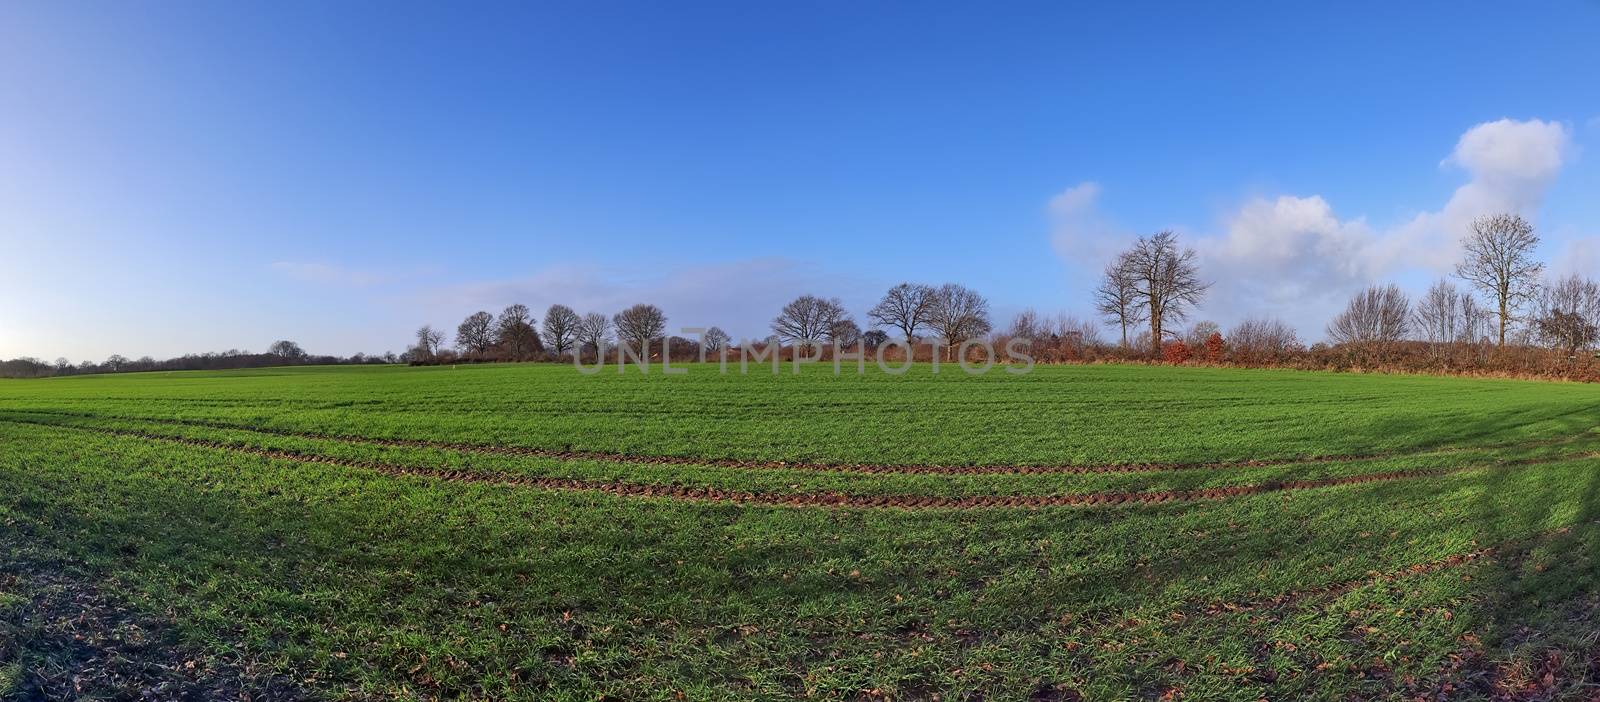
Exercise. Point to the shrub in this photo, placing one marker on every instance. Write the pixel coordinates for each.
(1214, 348)
(1175, 352)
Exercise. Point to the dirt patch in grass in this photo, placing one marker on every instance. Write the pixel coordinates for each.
(62, 637)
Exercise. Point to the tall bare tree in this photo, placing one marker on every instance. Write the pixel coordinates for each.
(1377, 316)
(515, 335)
(428, 341)
(560, 328)
(594, 330)
(959, 313)
(808, 319)
(1499, 261)
(475, 334)
(1166, 281)
(639, 325)
(1115, 299)
(1437, 315)
(906, 307)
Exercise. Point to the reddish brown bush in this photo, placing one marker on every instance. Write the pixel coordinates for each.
(1214, 348)
(1175, 352)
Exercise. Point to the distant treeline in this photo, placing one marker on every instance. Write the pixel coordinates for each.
(282, 353)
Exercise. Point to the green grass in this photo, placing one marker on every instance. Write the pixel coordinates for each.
(364, 585)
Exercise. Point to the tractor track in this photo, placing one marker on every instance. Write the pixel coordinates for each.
(798, 499)
(859, 468)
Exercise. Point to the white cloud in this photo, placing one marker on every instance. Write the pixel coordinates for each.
(1286, 257)
(1080, 234)
(1294, 257)
(1511, 151)
(1511, 164)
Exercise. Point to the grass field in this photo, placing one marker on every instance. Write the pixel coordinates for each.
(529, 533)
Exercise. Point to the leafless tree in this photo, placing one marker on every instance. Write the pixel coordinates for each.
(1026, 325)
(1568, 317)
(475, 334)
(808, 319)
(1437, 315)
(1262, 339)
(1200, 333)
(640, 324)
(1499, 261)
(1084, 331)
(594, 330)
(515, 335)
(958, 314)
(906, 307)
(287, 351)
(1115, 299)
(428, 341)
(1070, 335)
(560, 328)
(1166, 281)
(1475, 321)
(845, 333)
(714, 340)
(1377, 316)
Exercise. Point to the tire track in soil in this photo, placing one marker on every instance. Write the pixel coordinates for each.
(863, 468)
(799, 499)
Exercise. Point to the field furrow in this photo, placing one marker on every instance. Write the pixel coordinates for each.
(821, 499)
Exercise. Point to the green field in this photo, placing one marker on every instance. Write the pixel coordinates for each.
(527, 532)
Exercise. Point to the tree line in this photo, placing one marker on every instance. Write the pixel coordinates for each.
(280, 353)
(1498, 312)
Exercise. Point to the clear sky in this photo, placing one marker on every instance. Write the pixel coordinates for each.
(183, 177)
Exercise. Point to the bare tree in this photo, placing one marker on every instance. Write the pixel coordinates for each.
(1115, 299)
(428, 341)
(475, 334)
(1437, 315)
(594, 330)
(1070, 335)
(1568, 317)
(1200, 333)
(714, 340)
(1376, 316)
(287, 351)
(906, 307)
(808, 319)
(845, 333)
(639, 325)
(1499, 261)
(515, 335)
(560, 328)
(1026, 325)
(1263, 339)
(1166, 281)
(958, 314)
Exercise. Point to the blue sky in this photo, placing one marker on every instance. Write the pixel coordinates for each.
(185, 177)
